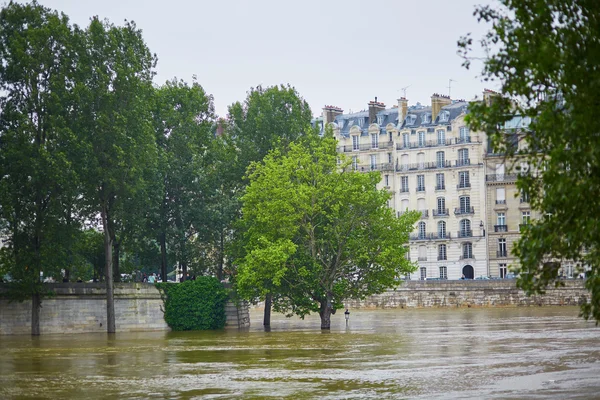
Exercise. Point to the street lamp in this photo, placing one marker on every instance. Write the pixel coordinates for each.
(347, 315)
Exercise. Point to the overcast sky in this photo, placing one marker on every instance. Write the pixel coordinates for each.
(341, 53)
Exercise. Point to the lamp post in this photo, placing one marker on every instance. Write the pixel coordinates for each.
(347, 315)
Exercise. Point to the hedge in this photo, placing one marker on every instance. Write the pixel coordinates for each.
(194, 305)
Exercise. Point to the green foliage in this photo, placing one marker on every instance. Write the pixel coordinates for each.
(194, 305)
(545, 54)
(317, 233)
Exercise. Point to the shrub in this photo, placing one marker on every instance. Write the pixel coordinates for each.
(194, 305)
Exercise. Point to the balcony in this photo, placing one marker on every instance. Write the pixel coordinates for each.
(500, 201)
(422, 166)
(466, 256)
(366, 147)
(420, 188)
(464, 211)
(501, 253)
(501, 177)
(500, 228)
(404, 190)
(461, 140)
(524, 199)
(424, 213)
(464, 233)
(442, 258)
(440, 212)
(376, 167)
(463, 186)
(463, 162)
(430, 236)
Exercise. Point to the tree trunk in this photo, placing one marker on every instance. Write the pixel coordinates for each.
(325, 312)
(184, 276)
(221, 256)
(108, 273)
(267, 314)
(163, 256)
(36, 304)
(116, 267)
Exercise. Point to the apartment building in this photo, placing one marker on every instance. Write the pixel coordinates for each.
(432, 163)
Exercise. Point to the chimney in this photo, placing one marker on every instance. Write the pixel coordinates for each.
(403, 107)
(330, 112)
(437, 102)
(488, 96)
(374, 108)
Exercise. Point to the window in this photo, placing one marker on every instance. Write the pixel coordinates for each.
(568, 271)
(386, 179)
(410, 119)
(501, 247)
(439, 182)
(404, 161)
(500, 172)
(443, 273)
(442, 229)
(442, 252)
(465, 204)
(404, 184)
(501, 218)
(422, 253)
(421, 138)
(420, 183)
(463, 179)
(421, 206)
(390, 137)
(441, 206)
(422, 230)
(463, 157)
(444, 115)
(374, 140)
(425, 118)
(502, 270)
(355, 143)
(467, 250)
(465, 228)
(524, 197)
(389, 158)
(373, 161)
(355, 163)
(526, 217)
(380, 120)
(421, 160)
(361, 122)
(500, 196)
(441, 137)
(464, 135)
(440, 158)
(405, 139)
(423, 273)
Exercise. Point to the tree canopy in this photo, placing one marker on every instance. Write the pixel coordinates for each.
(545, 56)
(317, 233)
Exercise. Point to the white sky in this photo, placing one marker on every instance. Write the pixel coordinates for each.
(341, 53)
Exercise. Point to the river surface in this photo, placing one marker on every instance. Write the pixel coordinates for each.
(508, 353)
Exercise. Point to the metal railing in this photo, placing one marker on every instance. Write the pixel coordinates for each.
(500, 201)
(464, 161)
(500, 228)
(466, 256)
(463, 186)
(464, 233)
(501, 253)
(422, 166)
(464, 210)
(501, 177)
(376, 167)
(430, 236)
(424, 213)
(440, 187)
(440, 212)
(366, 147)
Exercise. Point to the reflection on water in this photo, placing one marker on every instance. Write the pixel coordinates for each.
(434, 353)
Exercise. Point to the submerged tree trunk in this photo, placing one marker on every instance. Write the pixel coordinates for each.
(163, 256)
(108, 273)
(326, 311)
(267, 314)
(36, 304)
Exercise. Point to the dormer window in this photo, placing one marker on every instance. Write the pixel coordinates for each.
(425, 118)
(380, 120)
(444, 116)
(411, 119)
(360, 122)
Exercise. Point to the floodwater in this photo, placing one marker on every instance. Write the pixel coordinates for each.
(508, 353)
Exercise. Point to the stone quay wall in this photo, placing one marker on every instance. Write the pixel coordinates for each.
(81, 308)
(471, 293)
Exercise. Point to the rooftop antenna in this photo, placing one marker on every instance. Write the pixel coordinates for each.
(404, 90)
(450, 87)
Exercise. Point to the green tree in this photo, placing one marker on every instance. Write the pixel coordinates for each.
(545, 56)
(37, 183)
(269, 118)
(317, 233)
(113, 122)
(183, 122)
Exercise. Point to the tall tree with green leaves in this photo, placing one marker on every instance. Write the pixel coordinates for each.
(545, 56)
(269, 118)
(113, 123)
(183, 120)
(317, 233)
(37, 181)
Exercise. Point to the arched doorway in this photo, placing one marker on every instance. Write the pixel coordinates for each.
(468, 272)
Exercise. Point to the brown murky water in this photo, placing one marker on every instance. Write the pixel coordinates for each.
(515, 353)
